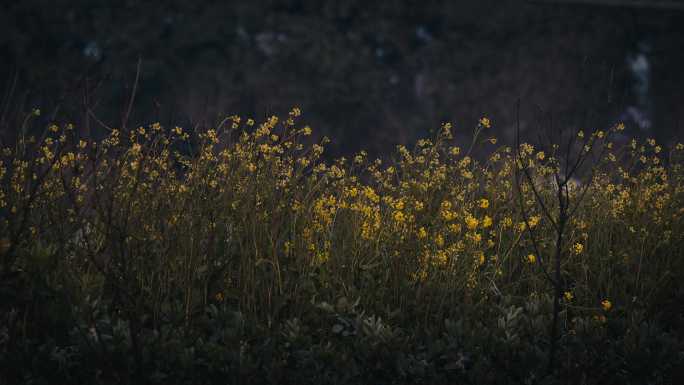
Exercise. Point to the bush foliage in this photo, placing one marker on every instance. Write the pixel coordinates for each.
(239, 255)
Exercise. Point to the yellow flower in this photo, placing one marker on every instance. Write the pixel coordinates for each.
(541, 155)
(577, 248)
(533, 221)
(471, 222)
(531, 258)
(448, 215)
(486, 221)
(480, 258)
(219, 297)
(422, 233)
(399, 217)
(606, 305)
(492, 140)
(455, 228)
(568, 296)
(439, 240)
(485, 122)
(484, 203)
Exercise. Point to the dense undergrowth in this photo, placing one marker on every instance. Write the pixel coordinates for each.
(238, 255)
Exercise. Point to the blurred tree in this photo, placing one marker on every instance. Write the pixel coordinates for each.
(371, 75)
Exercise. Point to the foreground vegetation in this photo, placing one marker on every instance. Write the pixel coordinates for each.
(238, 255)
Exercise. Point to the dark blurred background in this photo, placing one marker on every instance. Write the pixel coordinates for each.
(369, 74)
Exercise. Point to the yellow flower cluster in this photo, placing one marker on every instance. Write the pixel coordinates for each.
(435, 215)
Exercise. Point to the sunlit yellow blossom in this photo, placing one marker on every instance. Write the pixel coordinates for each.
(471, 222)
(534, 220)
(455, 228)
(439, 240)
(531, 258)
(399, 205)
(422, 233)
(568, 296)
(480, 257)
(577, 248)
(484, 203)
(485, 122)
(446, 129)
(399, 217)
(486, 221)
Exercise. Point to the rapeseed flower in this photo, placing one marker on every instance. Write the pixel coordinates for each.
(471, 222)
(422, 233)
(577, 248)
(486, 221)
